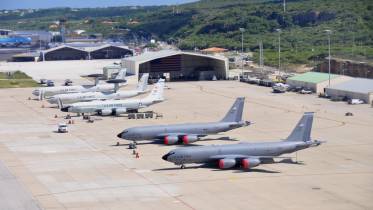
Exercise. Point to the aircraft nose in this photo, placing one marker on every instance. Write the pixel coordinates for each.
(35, 92)
(52, 100)
(164, 157)
(120, 135)
(65, 109)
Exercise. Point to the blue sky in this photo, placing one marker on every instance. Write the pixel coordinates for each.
(23, 4)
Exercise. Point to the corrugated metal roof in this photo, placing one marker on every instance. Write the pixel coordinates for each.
(61, 47)
(147, 56)
(313, 77)
(91, 49)
(358, 85)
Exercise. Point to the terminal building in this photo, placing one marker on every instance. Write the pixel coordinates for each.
(178, 65)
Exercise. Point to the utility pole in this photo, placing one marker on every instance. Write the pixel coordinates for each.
(328, 32)
(242, 31)
(284, 4)
(261, 59)
(279, 49)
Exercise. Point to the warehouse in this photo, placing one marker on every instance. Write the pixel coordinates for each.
(356, 88)
(178, 65)
(315, 81)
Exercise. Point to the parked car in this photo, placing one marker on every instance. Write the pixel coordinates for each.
(355, 101)
(43, 81)
(50, 83)
(68, 82)
(62, 128)
(305, 91)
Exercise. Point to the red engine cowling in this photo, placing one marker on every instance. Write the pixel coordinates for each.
(187, 139)
(226, 163)
(168, 140)
(249, 163)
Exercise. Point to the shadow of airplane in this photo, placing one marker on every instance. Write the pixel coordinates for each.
(213, 167)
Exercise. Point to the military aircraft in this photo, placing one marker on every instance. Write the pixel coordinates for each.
(45, 92)
(70, 98)
(116, 107)
(189, 132)
(246, 155)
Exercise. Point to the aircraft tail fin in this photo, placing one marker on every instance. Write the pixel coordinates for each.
(121, 74)
(157, 92)
(302, 131)
(59, 103)
(235, 112)
(143, 83)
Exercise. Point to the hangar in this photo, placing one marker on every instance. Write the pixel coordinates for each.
(356, 88)
(178, 65)
(315, 81)
(108, 52)
(66, 52)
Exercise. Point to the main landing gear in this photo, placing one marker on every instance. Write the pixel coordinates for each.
(182, 166)
(132, 145)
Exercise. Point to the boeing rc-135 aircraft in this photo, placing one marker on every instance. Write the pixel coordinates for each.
(116, 107)
(189, 132)
(44, 92)
(91, 96)
(246, 155)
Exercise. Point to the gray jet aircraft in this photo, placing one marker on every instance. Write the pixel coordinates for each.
(188, 132)
(246, 155)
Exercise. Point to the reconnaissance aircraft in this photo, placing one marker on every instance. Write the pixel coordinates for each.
(116, 107)
(189, 132)
(91, 96)
(247, 155)
(51, 91)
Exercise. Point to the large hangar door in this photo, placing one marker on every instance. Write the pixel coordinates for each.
(166, 64)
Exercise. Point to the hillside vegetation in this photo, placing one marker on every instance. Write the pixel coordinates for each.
(216, 23)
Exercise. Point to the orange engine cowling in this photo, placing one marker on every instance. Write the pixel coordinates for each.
(250, 162)
(168, 140)
(187, 139)
(226, 163)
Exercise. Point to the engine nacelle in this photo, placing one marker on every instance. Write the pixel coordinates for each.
(250, 162)
(119, 111)
(226, 163)
(168, 140)
(187, 139)
(105, 112)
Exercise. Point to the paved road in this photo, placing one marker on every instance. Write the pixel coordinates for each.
(13, 196)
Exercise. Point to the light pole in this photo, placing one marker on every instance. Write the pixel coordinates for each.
(242, 31)
(279, 49)
(328, 32)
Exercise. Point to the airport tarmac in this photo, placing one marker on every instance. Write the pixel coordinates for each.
(83, 169)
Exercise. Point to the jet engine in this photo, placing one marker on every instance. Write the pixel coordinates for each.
(104, 112)
(168, 140)
(119, 111)
(226, 163)
(187, 139)
(250, 162)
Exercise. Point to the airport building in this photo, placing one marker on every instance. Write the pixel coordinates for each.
(315, 81)
(355, 88)
(178, 65)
